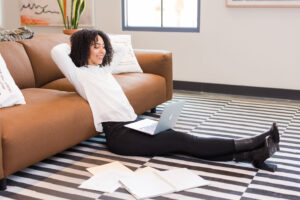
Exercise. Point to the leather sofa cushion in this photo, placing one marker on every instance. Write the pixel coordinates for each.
(17, 63)
(50, 122)
(157, 62)
(62, 84)
(38, 49)
(144, 91)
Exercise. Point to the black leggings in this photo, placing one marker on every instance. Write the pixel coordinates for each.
(125, 141)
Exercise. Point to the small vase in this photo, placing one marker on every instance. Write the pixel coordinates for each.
(70, 31)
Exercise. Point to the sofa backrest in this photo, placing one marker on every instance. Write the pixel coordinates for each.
(38, 50)
(18, 64)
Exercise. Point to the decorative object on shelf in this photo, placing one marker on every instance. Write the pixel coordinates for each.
(77, 8)
(263, 3)
(48, 13)
(21, 33)
(70, 31)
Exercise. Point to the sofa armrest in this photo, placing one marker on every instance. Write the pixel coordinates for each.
(157, 62)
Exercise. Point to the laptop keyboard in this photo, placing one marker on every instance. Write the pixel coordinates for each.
(149, 128)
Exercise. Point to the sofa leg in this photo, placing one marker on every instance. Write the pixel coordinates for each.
(153, 110)
(3, 184)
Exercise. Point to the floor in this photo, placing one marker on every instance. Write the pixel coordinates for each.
(205, 115)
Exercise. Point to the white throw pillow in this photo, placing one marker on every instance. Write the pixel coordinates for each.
(128, 62)
(10, 94)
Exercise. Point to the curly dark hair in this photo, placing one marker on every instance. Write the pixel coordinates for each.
(80, 46)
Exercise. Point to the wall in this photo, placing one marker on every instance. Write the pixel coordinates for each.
(236, 46)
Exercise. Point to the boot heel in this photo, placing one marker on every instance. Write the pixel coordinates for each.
(265, 166)
(277, 147)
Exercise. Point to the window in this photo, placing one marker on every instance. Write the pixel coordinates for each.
(161, 15)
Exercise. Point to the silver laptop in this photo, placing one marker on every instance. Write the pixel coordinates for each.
(167, 120)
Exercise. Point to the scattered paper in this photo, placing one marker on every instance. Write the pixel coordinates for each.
(106, 177)
(145, 170)
(146, 185)
(144, 182)
(182, 178)
(107, 181)
(117, 166)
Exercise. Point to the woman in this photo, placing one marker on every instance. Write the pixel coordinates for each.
(91, 51)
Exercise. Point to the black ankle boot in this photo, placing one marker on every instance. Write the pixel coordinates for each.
(258, 156)
(272, 148)
(250, 143)
(275, 135)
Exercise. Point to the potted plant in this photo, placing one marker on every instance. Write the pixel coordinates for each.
(71, 23)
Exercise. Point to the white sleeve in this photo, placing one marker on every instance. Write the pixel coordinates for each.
(60, 55)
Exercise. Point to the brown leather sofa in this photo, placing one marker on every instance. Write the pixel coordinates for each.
(55, 117)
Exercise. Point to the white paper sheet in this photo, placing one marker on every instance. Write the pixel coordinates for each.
(182, 178)
(106, 177)
(117, 166)
(107, 181)
(146, 185)
(145, 170)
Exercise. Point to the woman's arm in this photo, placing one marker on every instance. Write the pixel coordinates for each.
(60, 55)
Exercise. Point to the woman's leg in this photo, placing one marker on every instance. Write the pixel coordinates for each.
(250, 143)
(125, 141)
(130, 142)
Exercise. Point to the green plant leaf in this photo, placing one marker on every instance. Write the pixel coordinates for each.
(77, 8)
(76, 11)
(61, 6)
(68, 22)
(81, 9)
(72, 9)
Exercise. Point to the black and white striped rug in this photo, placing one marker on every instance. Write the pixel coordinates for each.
(58, 177)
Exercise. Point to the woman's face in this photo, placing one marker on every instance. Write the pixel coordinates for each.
(97, 52)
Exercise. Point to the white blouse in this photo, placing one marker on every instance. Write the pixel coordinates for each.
(96, 85)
